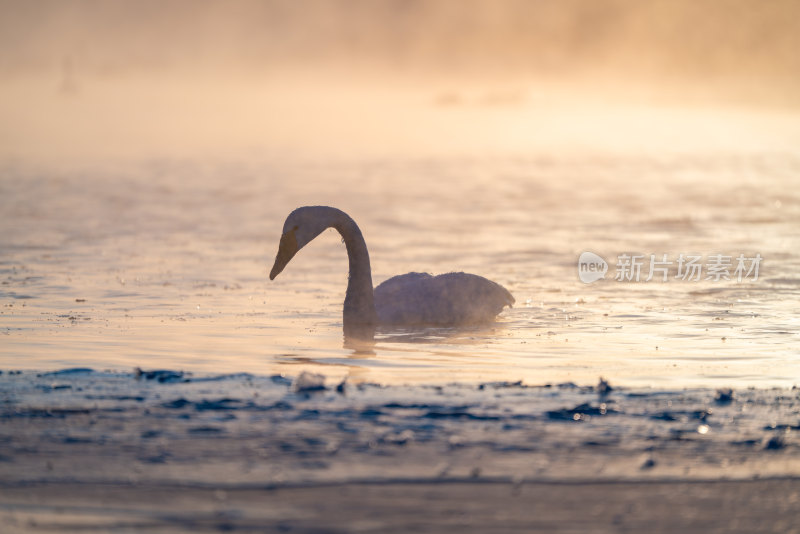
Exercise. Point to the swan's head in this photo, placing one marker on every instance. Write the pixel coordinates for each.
(300, 228)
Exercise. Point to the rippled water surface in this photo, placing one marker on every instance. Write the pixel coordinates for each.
(163, 264)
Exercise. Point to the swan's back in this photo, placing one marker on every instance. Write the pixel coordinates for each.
(444, 300)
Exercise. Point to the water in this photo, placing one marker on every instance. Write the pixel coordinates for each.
(162, 263)
(243, 430)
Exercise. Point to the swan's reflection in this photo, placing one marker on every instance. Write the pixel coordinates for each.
(372, 353)
(363, 342)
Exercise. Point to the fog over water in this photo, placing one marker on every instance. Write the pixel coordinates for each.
(623, 39)
(87, 79)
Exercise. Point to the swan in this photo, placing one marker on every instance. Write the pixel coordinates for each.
(413, 299)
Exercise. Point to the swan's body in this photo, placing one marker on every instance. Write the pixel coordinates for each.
(447, 299)
(408, 299)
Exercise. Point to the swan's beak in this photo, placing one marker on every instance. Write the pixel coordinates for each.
(286, 251)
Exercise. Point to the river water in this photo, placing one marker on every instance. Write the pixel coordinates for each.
(161, 261)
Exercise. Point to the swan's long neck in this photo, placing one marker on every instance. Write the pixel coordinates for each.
(359, 305)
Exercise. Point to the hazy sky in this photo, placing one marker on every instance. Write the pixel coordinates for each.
(82, 78)
(683, 38)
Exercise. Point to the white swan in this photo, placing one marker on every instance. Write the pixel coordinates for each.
(407, 299)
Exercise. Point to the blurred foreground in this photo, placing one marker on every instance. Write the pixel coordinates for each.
(169, 452)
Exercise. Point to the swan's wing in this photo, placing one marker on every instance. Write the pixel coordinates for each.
(399, 299)
(471, 298)
(447, 299)
(401, 283)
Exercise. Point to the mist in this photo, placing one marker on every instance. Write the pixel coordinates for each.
(83, 76)
(684, 39)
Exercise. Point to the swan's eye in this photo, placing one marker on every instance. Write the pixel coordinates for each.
(295, 228)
